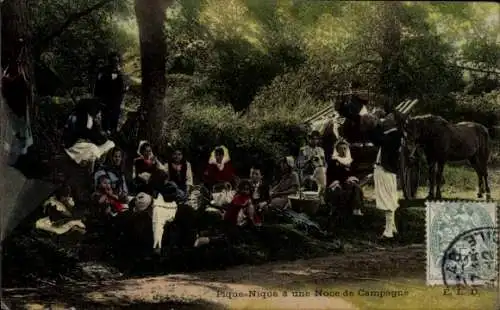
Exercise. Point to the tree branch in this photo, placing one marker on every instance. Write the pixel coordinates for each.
(72, 18)
(493, 71)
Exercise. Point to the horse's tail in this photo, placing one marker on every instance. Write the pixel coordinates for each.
(484, 143)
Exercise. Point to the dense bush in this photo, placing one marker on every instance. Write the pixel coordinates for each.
(483, 109)
(204, 127)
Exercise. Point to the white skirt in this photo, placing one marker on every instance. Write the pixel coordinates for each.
(386, 189)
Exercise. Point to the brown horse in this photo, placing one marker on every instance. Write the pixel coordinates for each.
(443, 141)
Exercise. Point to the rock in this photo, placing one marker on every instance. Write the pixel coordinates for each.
(99, 271)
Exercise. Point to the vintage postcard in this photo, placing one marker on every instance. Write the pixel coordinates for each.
(249, 154)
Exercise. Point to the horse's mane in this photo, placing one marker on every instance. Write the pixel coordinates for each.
(428, 123)
(429, 118)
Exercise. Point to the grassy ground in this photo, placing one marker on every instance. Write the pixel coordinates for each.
(460, 183)
(414, 295)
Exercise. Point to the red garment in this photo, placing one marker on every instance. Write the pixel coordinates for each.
(213, 175)
(117, 206)
(238, 203)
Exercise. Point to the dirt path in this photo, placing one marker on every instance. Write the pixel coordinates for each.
(251, 287)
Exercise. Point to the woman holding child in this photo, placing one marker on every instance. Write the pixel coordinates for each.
(114, 169)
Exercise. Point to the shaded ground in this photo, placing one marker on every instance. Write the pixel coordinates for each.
(201, 289)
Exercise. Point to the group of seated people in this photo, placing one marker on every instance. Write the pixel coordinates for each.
(115, 195)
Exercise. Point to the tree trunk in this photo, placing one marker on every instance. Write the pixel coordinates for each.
(17, 51)
(389, 52)
(151, 18)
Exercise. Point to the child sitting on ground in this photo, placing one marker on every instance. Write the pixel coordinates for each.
(241, 209)
(108, 202)
(60, 216)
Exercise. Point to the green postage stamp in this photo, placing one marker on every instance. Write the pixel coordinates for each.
(462, 243)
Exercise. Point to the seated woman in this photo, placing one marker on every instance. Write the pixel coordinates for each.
(146, 168)
(288, 185)
(151, 176)
(114, 169)
(315, 163)
(241, 211)
(179, 171)
(83, 138)
(219, 169)
(60, 217)
(107, 201)
(344, 190)
(260, 189)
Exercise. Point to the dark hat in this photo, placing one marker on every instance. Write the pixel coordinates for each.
(315, 134)
(169, 192)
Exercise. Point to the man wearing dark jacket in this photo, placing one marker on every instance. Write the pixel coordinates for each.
(388, 138)
(110, 88)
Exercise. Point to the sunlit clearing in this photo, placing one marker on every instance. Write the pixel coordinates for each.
(228, 19)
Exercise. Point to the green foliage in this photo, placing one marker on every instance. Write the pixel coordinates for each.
(203, 127)
(77, 46)
(282, 61)
(483, 109)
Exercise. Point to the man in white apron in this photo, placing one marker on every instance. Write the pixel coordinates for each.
(385, 172)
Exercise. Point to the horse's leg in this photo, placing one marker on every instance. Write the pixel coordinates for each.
(439, 178)
(484, 173)
(474, 163)
(432, 178)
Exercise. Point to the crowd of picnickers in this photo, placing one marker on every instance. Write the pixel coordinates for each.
(161, 192)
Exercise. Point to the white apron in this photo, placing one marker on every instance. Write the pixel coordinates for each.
(386, 188)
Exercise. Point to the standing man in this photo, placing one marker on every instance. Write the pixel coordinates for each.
(110, 88)
(388, 138)
(386, 134)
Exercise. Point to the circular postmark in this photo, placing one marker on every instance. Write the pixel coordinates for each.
(471, 258)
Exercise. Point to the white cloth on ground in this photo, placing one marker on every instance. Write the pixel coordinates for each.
(46, 224)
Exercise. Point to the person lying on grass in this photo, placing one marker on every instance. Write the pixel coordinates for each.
(160, 216)
(60, 216)
(108, 202)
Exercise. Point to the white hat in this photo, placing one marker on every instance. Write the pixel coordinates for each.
(142, 202)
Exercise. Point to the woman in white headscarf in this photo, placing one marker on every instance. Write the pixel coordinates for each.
(344, 189)
(220, 169)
